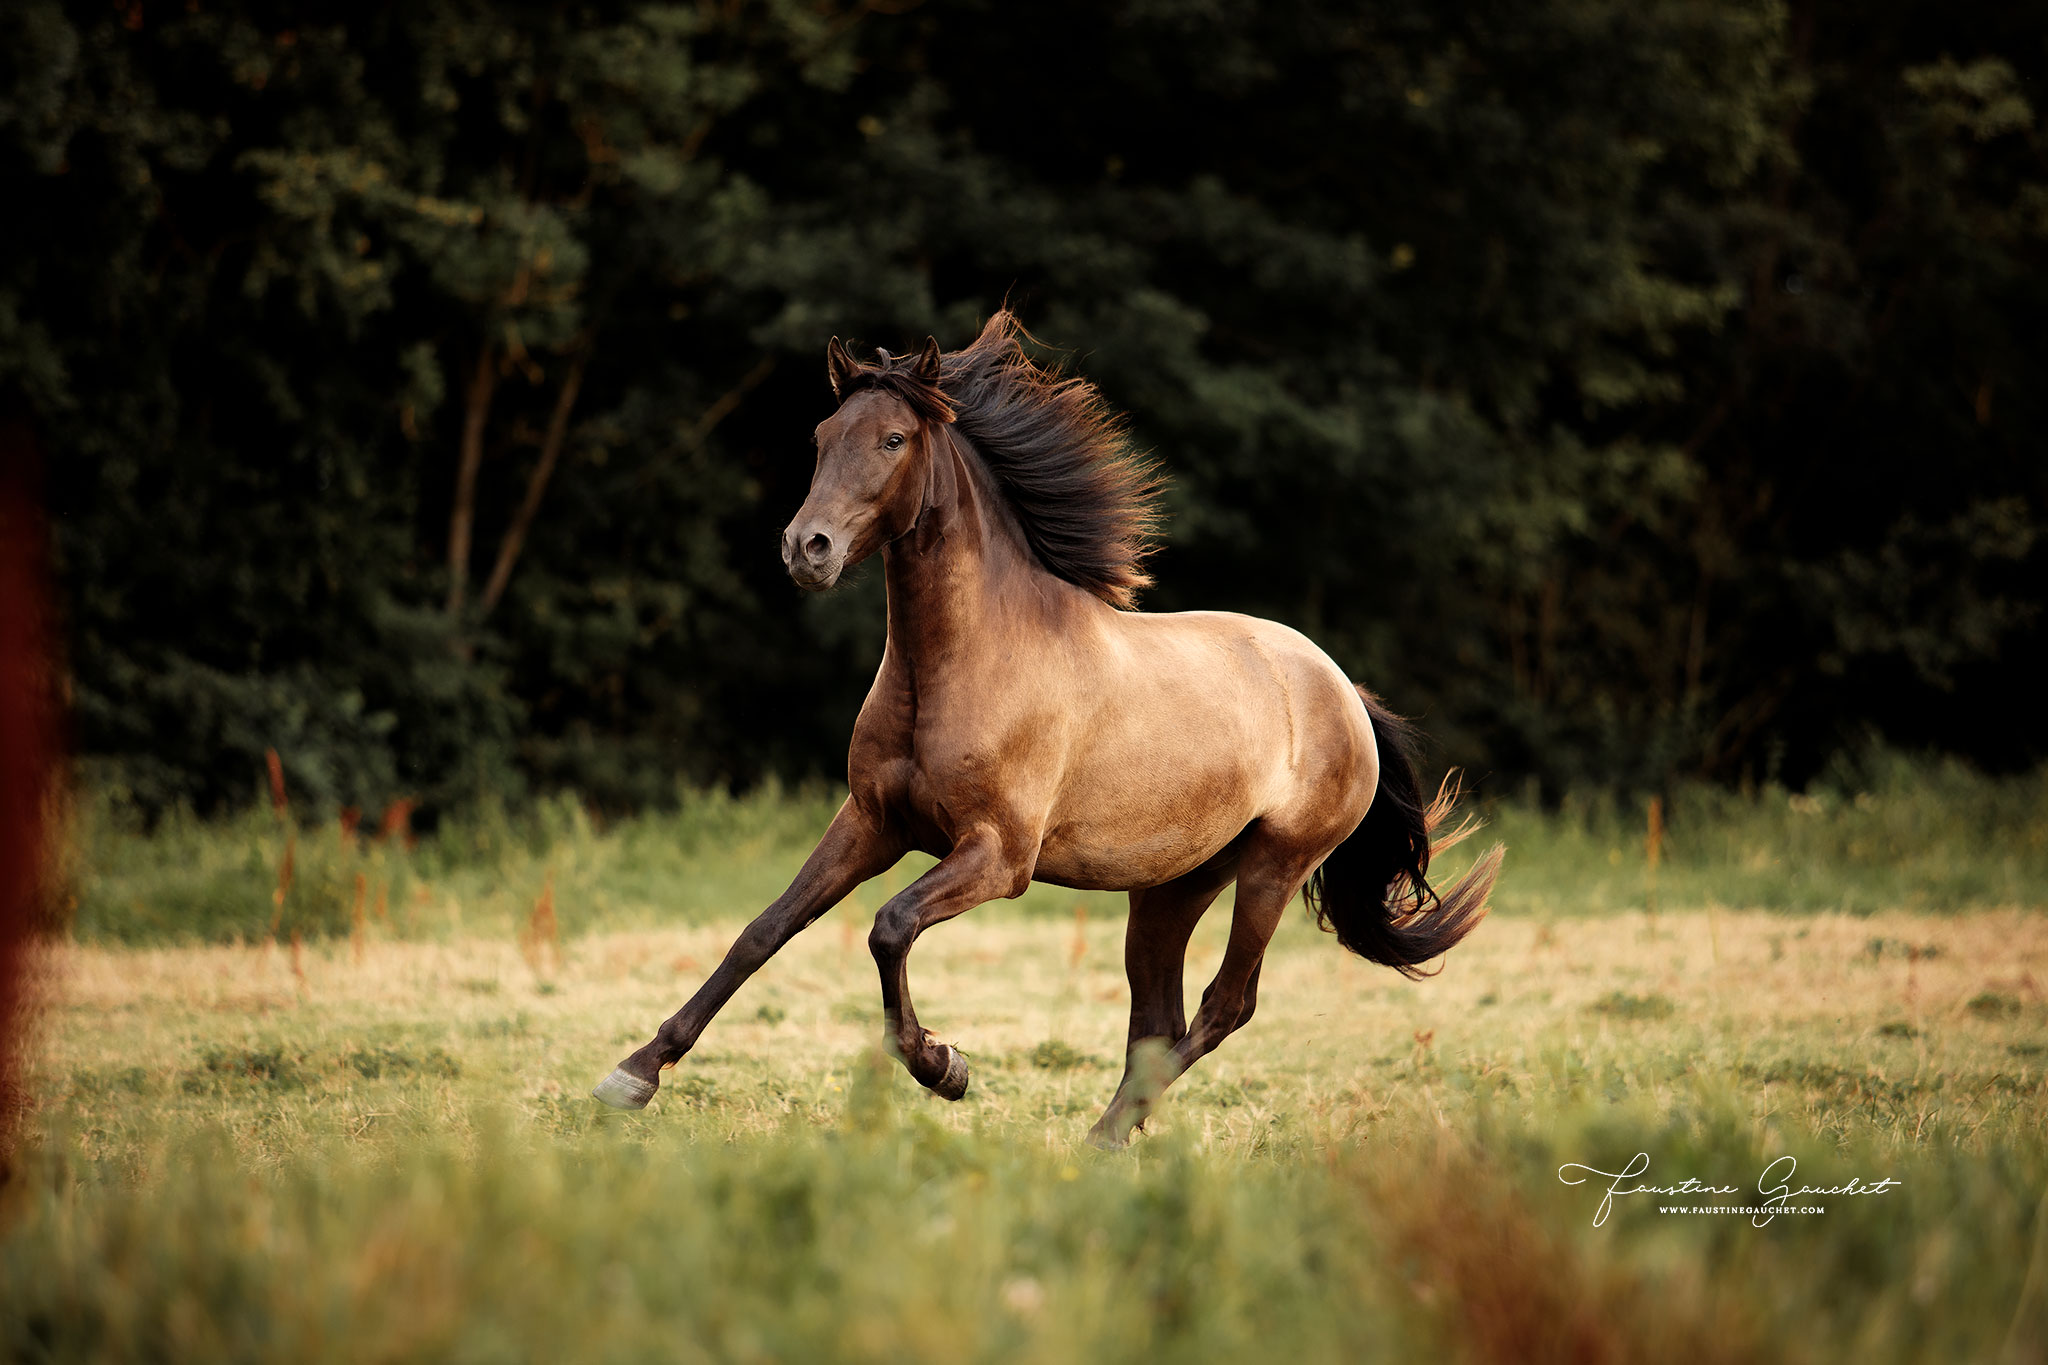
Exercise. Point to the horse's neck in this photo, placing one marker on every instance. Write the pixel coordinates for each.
(949, 575)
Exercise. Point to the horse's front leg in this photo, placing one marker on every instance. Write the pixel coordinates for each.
(855, 848)
(978, 869)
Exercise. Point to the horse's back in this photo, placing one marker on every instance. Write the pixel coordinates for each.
(1224, 661)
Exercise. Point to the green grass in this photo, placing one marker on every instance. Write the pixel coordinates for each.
(188, 880)
(890, 1236)
(242, 1153)
(1898, 835)
(379, 1146)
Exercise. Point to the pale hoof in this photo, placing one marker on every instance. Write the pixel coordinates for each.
(953, 1084)
(622, 1091)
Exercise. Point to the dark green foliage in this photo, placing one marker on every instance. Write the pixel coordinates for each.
(227, 1069)
(1992, 1005)
(1055, 1055)
(1623, 1005)
(1878, 948)
(374, 1063)
(1634, 389)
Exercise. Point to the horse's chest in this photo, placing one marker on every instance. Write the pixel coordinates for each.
(940, 783)
(945, 756)
(953, 784)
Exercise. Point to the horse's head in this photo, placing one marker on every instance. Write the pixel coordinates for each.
(874, 462)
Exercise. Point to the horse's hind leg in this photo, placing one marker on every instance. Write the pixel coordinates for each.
(1251, 996)
(1270, 874)
(1162, 920)
(1271, 878)
(977, 870)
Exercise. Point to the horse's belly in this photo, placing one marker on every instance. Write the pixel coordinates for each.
(1124, 855)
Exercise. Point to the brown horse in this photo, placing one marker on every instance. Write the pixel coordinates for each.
(1028, 725)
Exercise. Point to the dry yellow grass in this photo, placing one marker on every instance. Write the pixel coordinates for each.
(1369, 1169)
(1335, 1044)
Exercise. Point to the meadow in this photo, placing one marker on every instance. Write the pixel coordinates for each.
(367, 1136)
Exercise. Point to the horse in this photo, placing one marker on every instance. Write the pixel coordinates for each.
(1028, 723)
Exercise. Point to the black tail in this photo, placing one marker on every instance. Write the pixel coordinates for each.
(1373, 891)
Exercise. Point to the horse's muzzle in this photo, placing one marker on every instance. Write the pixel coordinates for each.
(813, 558)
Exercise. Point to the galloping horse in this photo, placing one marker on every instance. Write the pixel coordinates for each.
(1027, 724)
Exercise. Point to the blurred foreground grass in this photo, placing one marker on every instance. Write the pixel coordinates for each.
(1892, 834)
(383, 1151)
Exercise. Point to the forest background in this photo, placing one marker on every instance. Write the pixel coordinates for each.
(1639, 391)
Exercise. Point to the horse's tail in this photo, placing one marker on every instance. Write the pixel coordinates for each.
(1373, 890)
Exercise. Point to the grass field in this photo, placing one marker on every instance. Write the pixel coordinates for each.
(1893, 834)
(376, 1144)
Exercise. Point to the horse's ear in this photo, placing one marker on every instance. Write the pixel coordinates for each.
(840, 366)
(927, 366)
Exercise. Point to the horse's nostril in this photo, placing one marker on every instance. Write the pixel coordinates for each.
(818, 546)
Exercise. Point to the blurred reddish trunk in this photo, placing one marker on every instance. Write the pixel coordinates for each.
(27, 748)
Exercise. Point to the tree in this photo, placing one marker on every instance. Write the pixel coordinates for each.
(1636, 389)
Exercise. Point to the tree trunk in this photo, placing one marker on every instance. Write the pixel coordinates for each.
(462, 517)
(536, 486)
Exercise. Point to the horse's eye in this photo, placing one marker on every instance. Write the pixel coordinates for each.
(895, 442)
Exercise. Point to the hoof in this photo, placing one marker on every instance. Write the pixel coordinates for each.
(622, 1091)
(953, 1084)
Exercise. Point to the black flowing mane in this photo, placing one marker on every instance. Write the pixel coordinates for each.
(1088, 502)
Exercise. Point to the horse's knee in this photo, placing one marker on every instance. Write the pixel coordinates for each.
(756, 944)
(895, 930)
